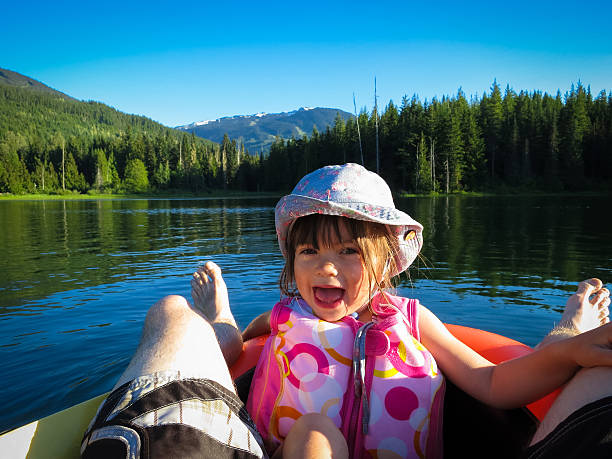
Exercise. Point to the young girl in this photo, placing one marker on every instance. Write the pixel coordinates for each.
(358, 365)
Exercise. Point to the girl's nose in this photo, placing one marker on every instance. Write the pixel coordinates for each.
(328, 268)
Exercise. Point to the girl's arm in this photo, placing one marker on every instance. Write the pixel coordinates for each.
(260, 325)
(519, 381)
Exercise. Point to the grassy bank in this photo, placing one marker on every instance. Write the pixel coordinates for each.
(507, 193)
(212, 194)
(228, 194)
(601, 189)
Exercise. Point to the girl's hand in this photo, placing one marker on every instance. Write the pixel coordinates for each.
(592, 348)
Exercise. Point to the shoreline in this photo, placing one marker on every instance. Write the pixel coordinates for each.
(215, 194)
(237, 194)
(506, 193)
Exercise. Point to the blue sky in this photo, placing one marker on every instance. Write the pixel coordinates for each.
(179, 62)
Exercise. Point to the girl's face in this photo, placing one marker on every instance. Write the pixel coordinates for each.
(332, 278)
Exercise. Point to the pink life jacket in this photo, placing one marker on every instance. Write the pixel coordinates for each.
(376, 381)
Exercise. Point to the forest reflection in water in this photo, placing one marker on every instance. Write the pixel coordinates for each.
(77, 277)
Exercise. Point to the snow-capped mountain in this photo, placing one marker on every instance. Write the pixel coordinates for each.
(259, 130)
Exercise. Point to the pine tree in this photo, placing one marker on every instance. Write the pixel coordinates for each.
(491, 113)
(101, 168)
(509, 138)
(575, 124)
(136, 179)
(112, 179)
(14, 176)
(74, 179)
(423, 167)
(389, 145)
(456, 154)
(473, 146)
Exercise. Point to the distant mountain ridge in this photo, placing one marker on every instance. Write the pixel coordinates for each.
(10, 78)
(258, 131)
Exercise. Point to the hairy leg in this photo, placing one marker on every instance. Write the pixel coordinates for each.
(314, 436)
(177, 338)
(585, 310)
(200, 340)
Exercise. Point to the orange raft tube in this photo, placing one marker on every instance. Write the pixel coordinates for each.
(493, 347)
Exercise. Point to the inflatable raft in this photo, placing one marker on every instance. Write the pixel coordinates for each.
(59, 435)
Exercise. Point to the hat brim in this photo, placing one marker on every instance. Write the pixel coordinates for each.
(291, 207)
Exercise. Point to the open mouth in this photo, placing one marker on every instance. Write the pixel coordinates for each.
(328, 296)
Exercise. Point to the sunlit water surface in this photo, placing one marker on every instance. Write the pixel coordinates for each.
(77, 277)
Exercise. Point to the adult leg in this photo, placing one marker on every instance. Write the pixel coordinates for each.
(588, 308)
(176, 397)
(179, 337)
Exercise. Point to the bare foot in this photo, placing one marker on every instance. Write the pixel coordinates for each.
(209, 294)
(210, 299)
(587, 308)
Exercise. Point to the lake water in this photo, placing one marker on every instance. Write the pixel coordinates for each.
(77, 277)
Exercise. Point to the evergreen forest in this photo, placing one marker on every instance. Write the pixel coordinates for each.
(501, 141)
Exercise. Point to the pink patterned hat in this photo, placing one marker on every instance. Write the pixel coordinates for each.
(350, 191)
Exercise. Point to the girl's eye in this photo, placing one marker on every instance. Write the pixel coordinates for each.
(307, 251)
(349, 251)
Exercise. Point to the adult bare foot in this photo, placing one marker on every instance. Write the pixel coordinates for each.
(210, 299)
(587, 308)
(209, 294)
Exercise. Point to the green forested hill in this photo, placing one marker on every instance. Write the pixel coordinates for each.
(31, 112)
(50, 142)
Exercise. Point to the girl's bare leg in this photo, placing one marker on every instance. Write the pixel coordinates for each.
(588, 308)
(314, 436)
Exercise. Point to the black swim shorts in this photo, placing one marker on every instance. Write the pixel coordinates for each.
(166, 415)
(586, 433)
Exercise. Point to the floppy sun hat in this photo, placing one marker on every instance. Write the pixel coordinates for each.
(350, 191)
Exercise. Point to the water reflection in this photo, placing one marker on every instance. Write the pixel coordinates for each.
(521, 241)
(50, 246)
(76, 277)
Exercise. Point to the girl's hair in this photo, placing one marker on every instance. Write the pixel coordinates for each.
(377, 246)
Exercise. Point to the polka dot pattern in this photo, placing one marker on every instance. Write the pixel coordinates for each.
(400, 402)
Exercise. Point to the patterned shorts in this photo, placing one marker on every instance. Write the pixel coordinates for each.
(166, 415)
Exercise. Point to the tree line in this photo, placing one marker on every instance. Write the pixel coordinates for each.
(499, 141)
(50, 144)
